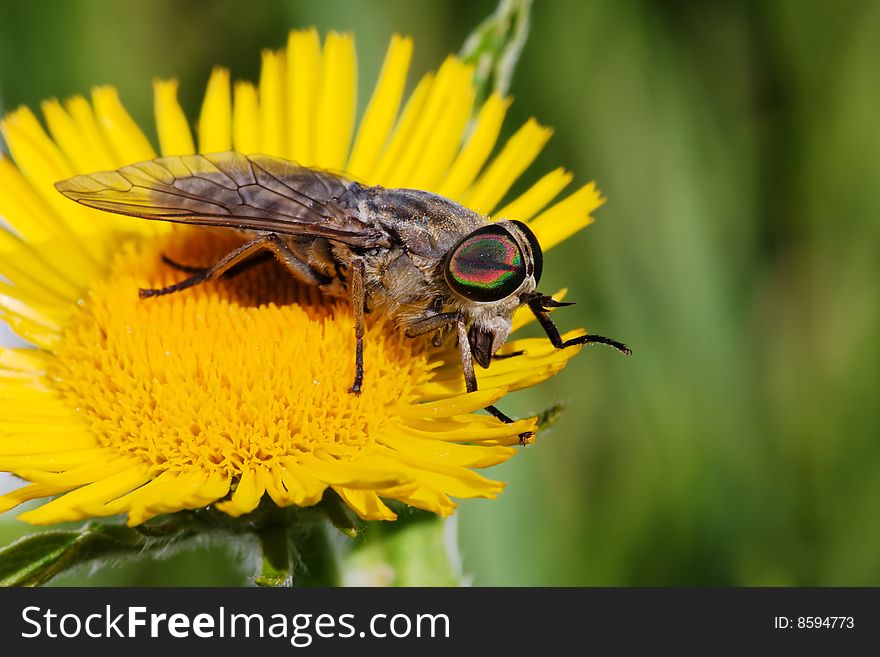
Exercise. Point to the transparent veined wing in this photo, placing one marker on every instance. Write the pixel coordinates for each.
(255, 192)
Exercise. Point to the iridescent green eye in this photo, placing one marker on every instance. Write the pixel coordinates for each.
(487, 265)
(537, 253)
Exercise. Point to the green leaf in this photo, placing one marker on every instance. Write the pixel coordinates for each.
(495, 45)
(35, 559)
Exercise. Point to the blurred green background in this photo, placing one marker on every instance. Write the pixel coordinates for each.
(737, 254)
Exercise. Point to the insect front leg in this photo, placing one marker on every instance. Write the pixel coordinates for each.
(470, 377)
(438, 322)
(524, 438)
(540, 305)
(358, 301)
(239, 257)
(464, 352)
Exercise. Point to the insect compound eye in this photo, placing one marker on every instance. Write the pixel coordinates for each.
(537, 253)
(486, 265)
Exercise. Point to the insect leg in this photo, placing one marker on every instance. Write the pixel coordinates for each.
(232, 272)
(510, 355)
(437, 322)
(432, 323)
(538, 304)
(464, 351)
(599, 339)
(184, 268)
(358, 298)
(294, 264)
(524, 437)
(239, 256)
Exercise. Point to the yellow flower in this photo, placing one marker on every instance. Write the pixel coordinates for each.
(239, 389)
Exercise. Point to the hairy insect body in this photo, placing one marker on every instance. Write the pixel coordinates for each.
(407, 281)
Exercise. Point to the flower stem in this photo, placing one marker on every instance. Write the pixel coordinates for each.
(316, 558)
(297, 556)
(277, 566)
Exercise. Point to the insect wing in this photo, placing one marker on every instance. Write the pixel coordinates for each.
(255, 192)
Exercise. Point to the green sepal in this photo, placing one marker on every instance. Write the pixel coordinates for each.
(340, 514)
(549, 416)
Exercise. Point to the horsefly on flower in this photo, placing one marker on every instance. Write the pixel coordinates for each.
(437, 268)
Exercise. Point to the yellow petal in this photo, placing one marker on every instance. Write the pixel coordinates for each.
(280, 494)
(277, 491)
(27, 360)
(309, 488)
(337, 101)
(23, 265)
(479, 431)
(99, 156)
(425, 498)
(245, 118)
(23, 207)
(36, 155)
(458, 482)
(455, 405)
(68, 136)
(351, 474)
(566, 217)
(291, 484)
(247, 495)
(437, 132)
(517, 154)
(120, 131)
(33, 332)
(303, 68)
(475, 153)
(530, 202)
(366, 504)
(215, 120)
(540, 362)
(382, 110)
(50, 315)
(406, 125)
(70, 266)
(192, 490)
(27, 493)
(175, 137)
(429, 452)
(159, 487)
(52, 461)
(273, 136)
(79, 476)
(44, 438)
(86, 501)
(445, 136)
(43, 164)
